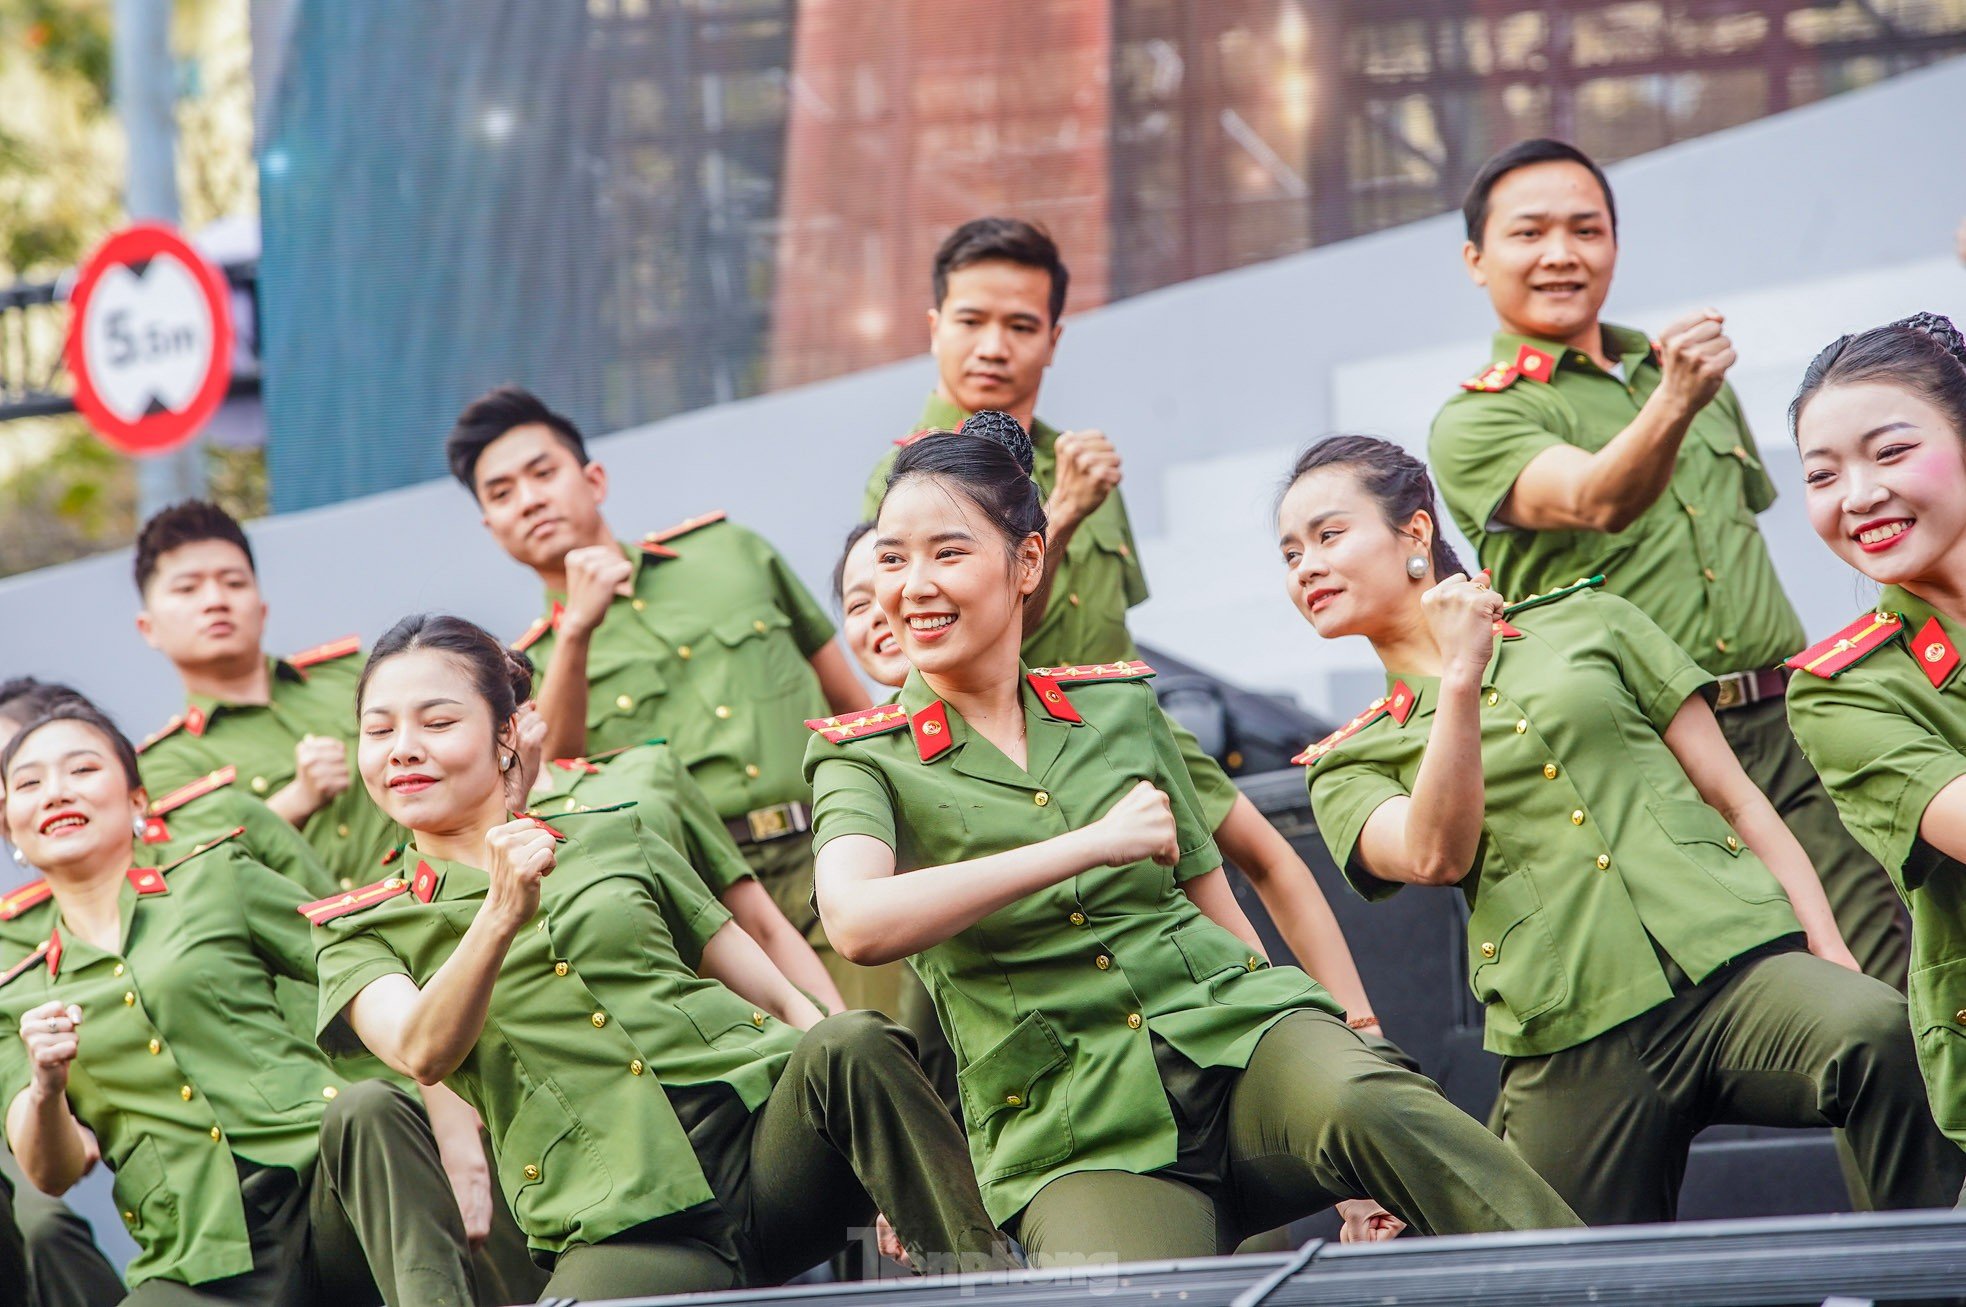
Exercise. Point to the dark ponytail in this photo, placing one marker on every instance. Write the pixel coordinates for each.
(501, 676)
(989, 463)
(1397, 482)
(1923, 354)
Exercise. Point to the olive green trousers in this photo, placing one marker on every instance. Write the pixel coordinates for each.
(1317, 1116)
(376, 1221)
(784, 868)
(1868, 912)
(1779, 1037)
(46, 1246)
(852, 1128)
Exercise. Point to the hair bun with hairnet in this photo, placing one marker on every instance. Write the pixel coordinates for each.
(993, 424)
(1940, 328)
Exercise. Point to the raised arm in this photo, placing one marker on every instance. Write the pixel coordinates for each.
(1566, 488)
(874, 916)
(595, 575)
(53, 1148)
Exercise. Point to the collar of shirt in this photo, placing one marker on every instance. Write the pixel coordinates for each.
(199, 709)
(139, 883)
(940, 732)
(1932, 640)
(944, 414)
(1631, 348)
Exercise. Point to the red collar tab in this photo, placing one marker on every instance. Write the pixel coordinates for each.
(931, 728)
(53, 949)
(1850, 646)
(27, 896)
(1534, 363)
(148, 880)
(1506, 631)
(322, 653)
(652, 542)
(1398, 704)
(540, 822)
(878, 720)
(1498, 376)
(576, 764)
(1054, 700)
(1089, 673)
(424, 884)
(23, 966)
(195, 720)
(532, 634)
(322, 911)
(1937, 655)
(198, 789)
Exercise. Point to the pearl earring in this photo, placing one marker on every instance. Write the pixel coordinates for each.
(1416, 567)
(136, 824)
(507, 764)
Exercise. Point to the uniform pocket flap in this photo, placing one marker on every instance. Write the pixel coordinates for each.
(716, 1011)
(737, 628)
(1938, 997)
(1210, 951)
(1695, 823)
(137, 1181)
(541, 1122)
(1512, 955)
(1005, 1077)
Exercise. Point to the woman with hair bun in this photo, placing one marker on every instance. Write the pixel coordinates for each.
(1653, 948)
(1136, 1079)
(1880, 707)
(671, 1114)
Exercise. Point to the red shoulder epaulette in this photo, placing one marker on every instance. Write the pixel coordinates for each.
(1498, 376)
(697, 523)
(198, 789)
(878, 720)
(206, 847)
(1088, 673)
(530, 636)
(176, 723)
(22, 967)
(1850, 646)
(324, 653)
(322, 911)
(27, 896)
(1398, 704)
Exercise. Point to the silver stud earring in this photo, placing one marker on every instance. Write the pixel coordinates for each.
(1416, 567)
(136, 824)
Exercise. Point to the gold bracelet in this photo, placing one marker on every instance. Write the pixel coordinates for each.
(1360, 1023)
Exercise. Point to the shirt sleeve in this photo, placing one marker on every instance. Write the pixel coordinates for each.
(849, 797)
(709, 847)
(1133, 576)
(170, 765)
(1196, 837)
(1215, 793)
(1881, 767)
(876, 489)
(1660, 675)
(274, 842)
(811, 627)
(691, 914)
(1481, 442)
(349, 957)
(1345, 792)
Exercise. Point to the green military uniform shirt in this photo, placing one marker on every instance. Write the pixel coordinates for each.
(1098, 579)
(1884, 723)
(1694, 562)
(595, 1012)
(1594, 846)
(711, 651)
(312, 693)
(1050, 1003)
(186, 1061)
(673, 806)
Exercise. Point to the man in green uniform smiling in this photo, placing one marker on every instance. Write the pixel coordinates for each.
(1587, 449)
(999, 287)
(699, 634)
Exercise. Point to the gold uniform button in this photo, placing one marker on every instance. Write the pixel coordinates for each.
(638, 604)
(1733, 844)
(1103, 962)
(1720, 645)
(532, 1172)
(1125, 552)
(1493, 698)
(1012, 1100)
(623, 702)
(117, 970)
(156, 1046)
(259, 785)
(1252, 964)
(1692, 510)
(1549, 771)
(1708, 573)
(1072, 599)
(1133, 1020)
(1604, 862)
(759, 626)
(1521, 725)
(1041, 798)
(1960, 1016)
(560, 969)
(342, 830)
(751, 770)
(129, 999)
(1077, 918)
(758, 1020)
(683, 652)
(1487, 949)
(599, 1019)
(217, 1134)
(129, 1218)
(394, 882)
(348, 882)
(723, 710)
(329, 1092)
(635, 1068)
(184, 1092)
(1577, 817)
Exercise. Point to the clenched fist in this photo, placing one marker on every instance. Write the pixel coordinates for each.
(595, 575)
(1138, 827)
(1088, 471)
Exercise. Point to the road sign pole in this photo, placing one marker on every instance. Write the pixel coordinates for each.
(146, 101)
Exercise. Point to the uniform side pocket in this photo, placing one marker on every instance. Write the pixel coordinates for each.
(1017, 1100)
(143, 1200)
(554, 1171)
(1706, 839)
(1938, 1022)
(1512, 957)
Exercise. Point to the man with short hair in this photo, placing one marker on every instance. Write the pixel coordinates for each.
(699, 634)
(1586, 448)
(999, 290)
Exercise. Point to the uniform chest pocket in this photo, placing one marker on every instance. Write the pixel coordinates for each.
(1706, 839)
(765, 660)
(1938, 1022)
(720, 1016)
(1211, 951)
(620, 683)
(551, 1170)
(1017, 1101)
(1512, 956)
(143, 1199)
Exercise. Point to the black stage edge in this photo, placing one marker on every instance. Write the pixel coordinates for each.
(1873, 1257)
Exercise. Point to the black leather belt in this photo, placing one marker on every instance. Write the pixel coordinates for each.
(761, 825)
(1739, 689)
